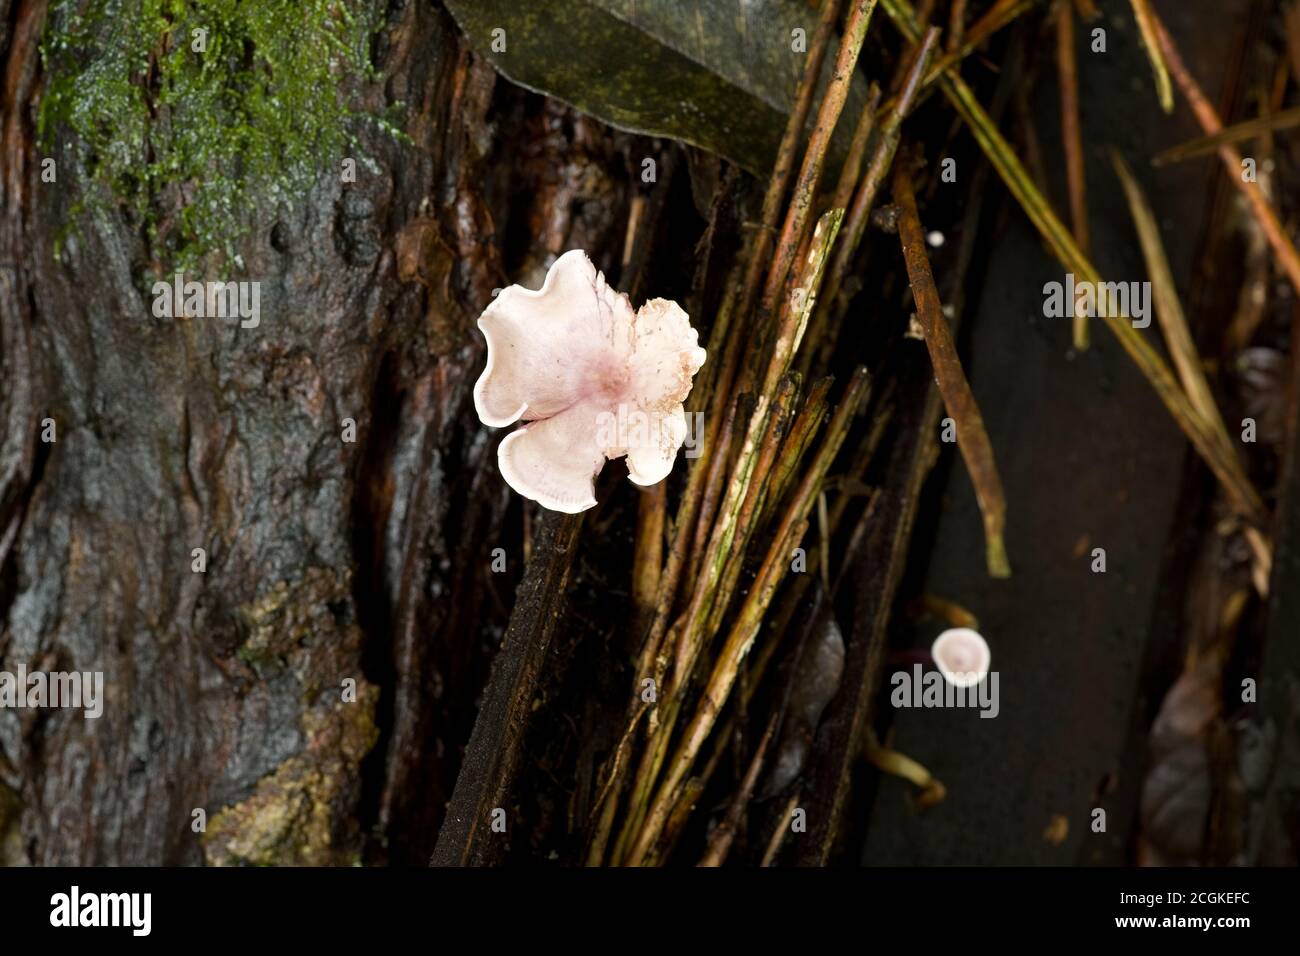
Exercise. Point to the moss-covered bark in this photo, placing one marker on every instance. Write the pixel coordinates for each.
(327, 561)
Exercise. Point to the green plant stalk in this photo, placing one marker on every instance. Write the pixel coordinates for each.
(743, 497)
(753, 483)
(1178, 339)
(732, 559)
(748, 620)
(780, 181)
(794, 317)
(797, 441)
(1164, 90)
(720, 544)
(794, 322)
(882, 159)
(712, 489)
(647, 772)
(606, 804)
(793, 601)
(1169, 310)
(805, 188)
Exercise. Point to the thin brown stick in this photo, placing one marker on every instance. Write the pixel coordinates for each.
(855, 222)
(972, 439)
(1072, 139)
(781, 829)
(1291, 24)
(800, 209)
(857, 151)
(1028, 131)
(998, 16)
(1247, 129)
(956, 25)
(1285, 251)
(898, 764)
(691, 793)
(603, 809)
(785, 157)
(842, 199)
(724, 834)
(803, 298)
(798, 439)
(1001, 14)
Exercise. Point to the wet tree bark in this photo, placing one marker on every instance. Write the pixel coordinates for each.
(327, 561)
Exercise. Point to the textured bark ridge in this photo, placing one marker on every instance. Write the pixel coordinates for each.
(327, 561)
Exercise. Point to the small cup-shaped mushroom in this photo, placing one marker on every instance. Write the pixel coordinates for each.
(593, 378)
(962, 656)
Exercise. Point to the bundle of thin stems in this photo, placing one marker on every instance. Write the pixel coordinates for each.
(764, 462)
(771, 441)
(751, 495)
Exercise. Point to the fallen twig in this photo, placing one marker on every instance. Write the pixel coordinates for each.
(1072, 140)
(972, 438)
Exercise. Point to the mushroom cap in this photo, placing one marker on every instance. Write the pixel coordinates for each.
(593, 379)
(962, 656)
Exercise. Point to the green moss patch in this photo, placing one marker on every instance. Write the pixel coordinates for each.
(195, 114)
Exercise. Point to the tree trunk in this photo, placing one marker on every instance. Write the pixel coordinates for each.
(328, 561)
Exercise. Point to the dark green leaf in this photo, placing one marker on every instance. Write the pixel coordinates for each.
(721, 74)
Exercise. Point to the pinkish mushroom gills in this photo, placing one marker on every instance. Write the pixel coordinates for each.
(592, 378)
(962, 656)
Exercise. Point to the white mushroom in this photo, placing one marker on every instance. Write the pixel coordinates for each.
(593, 379)
(962, 656)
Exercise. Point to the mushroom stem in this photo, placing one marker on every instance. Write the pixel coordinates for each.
(648, 559)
